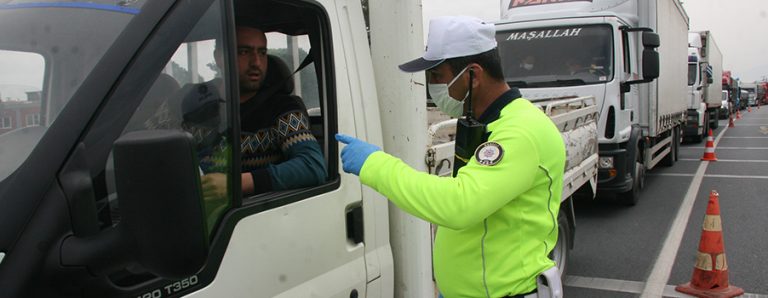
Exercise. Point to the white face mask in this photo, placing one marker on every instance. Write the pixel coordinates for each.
(527, 66)
(442, 99)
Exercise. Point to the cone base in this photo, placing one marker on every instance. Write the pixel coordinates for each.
(709, 158)
(728, 292)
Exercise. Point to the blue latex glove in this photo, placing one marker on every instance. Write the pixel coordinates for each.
(353, 155)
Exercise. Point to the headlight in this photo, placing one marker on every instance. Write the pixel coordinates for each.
(605, 162)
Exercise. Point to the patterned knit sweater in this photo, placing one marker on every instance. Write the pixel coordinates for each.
(277, 145)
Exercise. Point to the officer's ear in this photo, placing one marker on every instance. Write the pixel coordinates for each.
(478, 73)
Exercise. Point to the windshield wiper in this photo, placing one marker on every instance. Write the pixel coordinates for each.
(570, 82)
(559, 83)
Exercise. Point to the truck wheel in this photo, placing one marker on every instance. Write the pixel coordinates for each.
(561, 251)
(631, 197)
(679, 132)
(671, 157)
(715, 118)
(705, 131)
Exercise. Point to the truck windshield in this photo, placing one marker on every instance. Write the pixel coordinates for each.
(692, 71)
(47, 48)
(557, 56)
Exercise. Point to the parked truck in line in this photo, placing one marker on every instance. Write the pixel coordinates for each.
(613, 50)
(765, 93)
(104, 196)
(751, 89)
(729, 91)
(705, 63)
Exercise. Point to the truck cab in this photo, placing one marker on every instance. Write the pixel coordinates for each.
(698, 76)
(102, 187)
(610, 50)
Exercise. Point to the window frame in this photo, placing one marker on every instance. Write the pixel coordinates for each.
(320, 40)
(4, 120)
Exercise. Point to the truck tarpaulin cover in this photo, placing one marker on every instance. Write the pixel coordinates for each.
(523, 3)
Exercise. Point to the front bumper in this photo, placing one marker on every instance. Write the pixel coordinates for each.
(617, 179)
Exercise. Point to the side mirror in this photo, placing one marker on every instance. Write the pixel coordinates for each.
(651, 40)
(650, 70)
(162, 224)
(650, 64)
(158, 188)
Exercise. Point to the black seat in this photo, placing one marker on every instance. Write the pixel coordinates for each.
(161, 91)
(279, 75)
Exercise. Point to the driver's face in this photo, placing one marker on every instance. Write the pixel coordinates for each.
(251, 59)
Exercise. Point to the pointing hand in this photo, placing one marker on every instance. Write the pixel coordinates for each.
(353, 155)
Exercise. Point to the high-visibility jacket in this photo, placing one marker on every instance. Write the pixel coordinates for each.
(497, 219)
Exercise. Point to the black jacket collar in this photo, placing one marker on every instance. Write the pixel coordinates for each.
(494, 110)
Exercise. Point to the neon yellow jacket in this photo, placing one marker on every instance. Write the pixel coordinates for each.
(497, 223)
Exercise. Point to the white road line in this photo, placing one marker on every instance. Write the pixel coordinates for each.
(626, 286)
(656, 282)
(745, 137)
(671, 174)
(736, 176)
(606, 284)
(729, 160)
(730, 148)
(709, 176)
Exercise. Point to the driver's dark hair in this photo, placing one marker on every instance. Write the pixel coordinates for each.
(489, 60)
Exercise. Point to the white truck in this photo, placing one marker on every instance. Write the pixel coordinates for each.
(705, 64)
(751, 89)
(606, 49)
(103, 195)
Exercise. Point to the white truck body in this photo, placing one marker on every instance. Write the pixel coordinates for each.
(705, 65)
(639, 121)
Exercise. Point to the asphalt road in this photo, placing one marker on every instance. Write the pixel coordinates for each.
(648, 249)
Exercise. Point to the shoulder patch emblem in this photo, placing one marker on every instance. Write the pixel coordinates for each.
(489, 153)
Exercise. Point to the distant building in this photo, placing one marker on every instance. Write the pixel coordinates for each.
(18, 114)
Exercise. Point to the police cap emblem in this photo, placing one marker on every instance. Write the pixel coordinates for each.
(489, 153)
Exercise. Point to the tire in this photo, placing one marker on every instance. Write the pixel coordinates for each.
(704, 132)
(671, 157)
(631, 197)
(562, 248)
(715, 115)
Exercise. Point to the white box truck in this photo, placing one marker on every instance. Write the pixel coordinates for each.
(102, 198)
(705, 65)
(613, 50)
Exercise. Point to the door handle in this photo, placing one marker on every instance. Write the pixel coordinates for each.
(355, 226)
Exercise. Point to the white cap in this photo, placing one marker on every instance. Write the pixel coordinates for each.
(451, 37)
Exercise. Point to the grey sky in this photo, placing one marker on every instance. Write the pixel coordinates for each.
(735, 25)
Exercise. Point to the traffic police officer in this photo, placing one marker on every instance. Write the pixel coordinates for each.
(497, 216)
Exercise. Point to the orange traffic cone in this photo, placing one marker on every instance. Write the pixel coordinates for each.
(709, 150)
(749, 109)
(730, 120)
(710, 274)
(738, 114)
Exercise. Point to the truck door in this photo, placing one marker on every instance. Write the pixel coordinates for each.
(305, 242)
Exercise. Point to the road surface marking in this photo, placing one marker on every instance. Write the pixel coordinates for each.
(625, 286)
(730, 148)
(710, 175)
(654, 287)
(728, 160)
(745, 137)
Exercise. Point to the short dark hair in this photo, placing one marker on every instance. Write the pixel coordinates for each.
(489, 60)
